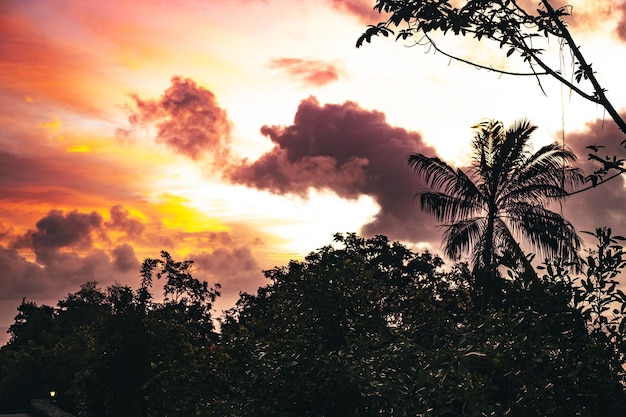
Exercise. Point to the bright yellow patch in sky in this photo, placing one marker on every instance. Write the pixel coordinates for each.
(53, 126)
(177, 214)
(79, 149)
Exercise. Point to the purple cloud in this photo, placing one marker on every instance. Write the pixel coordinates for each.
(352, 152)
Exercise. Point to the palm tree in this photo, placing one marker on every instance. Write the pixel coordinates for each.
(504, 195)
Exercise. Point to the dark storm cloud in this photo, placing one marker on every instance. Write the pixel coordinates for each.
(605, 204)
(308, 71)
(188, 120)
(57, 230)
(352, 152)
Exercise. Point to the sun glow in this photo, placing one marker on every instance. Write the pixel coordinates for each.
(177, 214)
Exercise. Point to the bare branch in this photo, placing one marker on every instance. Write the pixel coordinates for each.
(474, 64)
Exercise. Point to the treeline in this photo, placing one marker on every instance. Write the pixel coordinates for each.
(363, 327)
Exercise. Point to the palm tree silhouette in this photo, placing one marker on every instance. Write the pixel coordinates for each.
(505, 194)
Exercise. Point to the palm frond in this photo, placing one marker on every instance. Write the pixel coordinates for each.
(544, 176)
(447, 208)
(546, 231)
(463, 236)
(535, 192)
(513, 149)
(488, 137)
(551, 163)
(442, 178)
(435, 172)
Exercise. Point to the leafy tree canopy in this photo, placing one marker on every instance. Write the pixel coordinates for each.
(363, 327)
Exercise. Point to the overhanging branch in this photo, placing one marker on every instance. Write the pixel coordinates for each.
(599, 91)
(480, 66)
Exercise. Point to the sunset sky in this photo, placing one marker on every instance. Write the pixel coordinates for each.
(244, 133)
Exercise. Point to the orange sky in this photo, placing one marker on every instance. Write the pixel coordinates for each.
(243, 133)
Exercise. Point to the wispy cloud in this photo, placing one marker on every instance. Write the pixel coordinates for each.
(361, 9)
(309, 72)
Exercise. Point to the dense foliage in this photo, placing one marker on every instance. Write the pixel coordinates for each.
(116, 352)
(363, 327)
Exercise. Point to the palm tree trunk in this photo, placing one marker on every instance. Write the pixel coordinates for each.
(491, 288)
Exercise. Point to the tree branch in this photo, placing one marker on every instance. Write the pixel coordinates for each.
(474, 64)
(600, 97)
(595, 185)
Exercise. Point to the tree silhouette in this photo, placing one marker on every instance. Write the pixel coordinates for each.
(505, 195)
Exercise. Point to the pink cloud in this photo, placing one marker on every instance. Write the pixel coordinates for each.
(361, 9)
(621, 26)
(235, 269)
(309, 72)
(188, 120)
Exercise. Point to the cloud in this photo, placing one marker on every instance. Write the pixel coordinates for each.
(310, 72)
(66, 255)
(60, 179)
(224, 261)
(76, 269)
(620, 30)
(19, 277)
(62, 272)
(188, 120)
(235, 269)
(73, 247)
(56, 231)
(120, 220)
(361, 9)
(603, 205)
(352, 152)
(124, 258)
